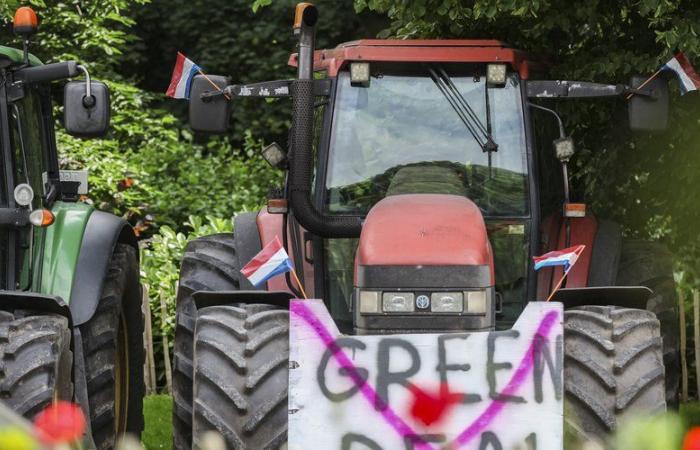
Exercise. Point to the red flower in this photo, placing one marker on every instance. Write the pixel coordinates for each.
(60, 422)
(692, 439)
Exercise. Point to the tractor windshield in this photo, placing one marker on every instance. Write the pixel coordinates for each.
(401, 135)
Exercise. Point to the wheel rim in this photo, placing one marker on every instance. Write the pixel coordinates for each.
(121, 379)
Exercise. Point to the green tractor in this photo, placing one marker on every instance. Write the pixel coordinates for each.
(71, 322)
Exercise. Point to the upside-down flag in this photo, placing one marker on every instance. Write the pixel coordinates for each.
(181, 81)
(272, 260)
(687, 77)
(566, 257)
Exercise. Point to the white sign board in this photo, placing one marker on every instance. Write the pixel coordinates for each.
(482, 391)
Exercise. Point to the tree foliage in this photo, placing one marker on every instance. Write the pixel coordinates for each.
(232, 38)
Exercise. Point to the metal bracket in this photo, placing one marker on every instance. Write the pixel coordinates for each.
(266, 89)
(573, 89)
(14, 217)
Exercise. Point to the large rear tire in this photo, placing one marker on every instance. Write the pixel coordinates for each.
(210, 263)
(650, 264)
(613, 367)
(113, 349)
(36, 361)
(241, 359)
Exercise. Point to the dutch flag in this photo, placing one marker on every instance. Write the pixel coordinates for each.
(566, 257)
(181, 81)
(688, 78)
(272, 260)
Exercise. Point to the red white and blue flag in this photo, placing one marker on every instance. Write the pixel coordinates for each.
(181, 81)
(272, 260)
(687, 77)
(566, 257)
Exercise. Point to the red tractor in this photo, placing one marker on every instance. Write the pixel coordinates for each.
(420, 182)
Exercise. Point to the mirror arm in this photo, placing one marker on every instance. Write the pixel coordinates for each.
(88, 100)
(572, 89)
(562, 132)
(644, 92)
(265, 89)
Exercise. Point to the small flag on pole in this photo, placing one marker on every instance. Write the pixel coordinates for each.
(688, 78)
(181, 81)
(566, 257)
(272, 260)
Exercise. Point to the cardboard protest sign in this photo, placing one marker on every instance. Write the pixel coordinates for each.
(482, 390)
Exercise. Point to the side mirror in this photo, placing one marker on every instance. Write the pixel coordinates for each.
(649, 112)
(86, 109)
(210, 116)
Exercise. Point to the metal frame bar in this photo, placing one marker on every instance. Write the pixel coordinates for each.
(8, 166)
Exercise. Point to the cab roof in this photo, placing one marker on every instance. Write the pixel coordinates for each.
(423, 50)
(11, 56)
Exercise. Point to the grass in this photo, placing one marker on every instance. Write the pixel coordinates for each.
(158, 434)
(157, 412)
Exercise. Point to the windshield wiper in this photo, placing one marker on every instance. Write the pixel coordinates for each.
(480, 132)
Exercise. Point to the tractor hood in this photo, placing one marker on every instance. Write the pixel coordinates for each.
(423, 263)
(424, 234)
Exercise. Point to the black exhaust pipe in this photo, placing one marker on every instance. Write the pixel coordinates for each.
(301, 155)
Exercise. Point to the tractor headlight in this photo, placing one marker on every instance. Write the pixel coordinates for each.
(398, 302)
(447, 302)
(476, 302)
(24, 194)
(473, 302)
(369, 302)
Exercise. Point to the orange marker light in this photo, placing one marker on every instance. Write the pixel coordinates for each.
(299, 14)
(41, 218)
(25, 21)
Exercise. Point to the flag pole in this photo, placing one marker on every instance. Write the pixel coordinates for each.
(656, 74)
(301, 287)
(212, 83)
(556, 288)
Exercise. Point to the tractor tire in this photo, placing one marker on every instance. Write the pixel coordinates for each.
(36, 361)
(613, 368)
(210, 263)
(650, 264)
(241, 363)
(114, 353)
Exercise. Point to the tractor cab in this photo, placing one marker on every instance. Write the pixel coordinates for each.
(423, 176)
(426, 117)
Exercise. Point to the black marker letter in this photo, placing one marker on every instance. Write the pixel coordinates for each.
(337, 397)
(443, 367)
(492, 367)
(386, 378)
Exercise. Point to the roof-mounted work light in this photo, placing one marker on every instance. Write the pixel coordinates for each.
(496, 74)
(359, 74)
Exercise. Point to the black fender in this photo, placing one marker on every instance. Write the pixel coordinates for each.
(246, 239)
(102, 233)
(623, 296)
(13, 300)
(204, 299)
